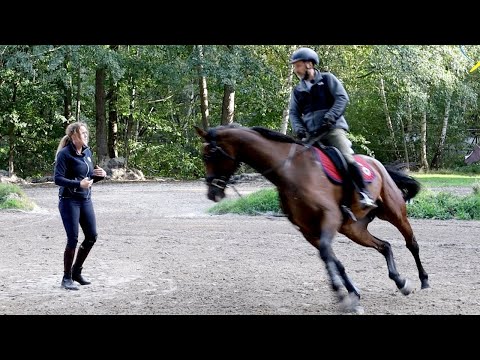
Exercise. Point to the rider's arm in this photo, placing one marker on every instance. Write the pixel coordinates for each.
(339, 94)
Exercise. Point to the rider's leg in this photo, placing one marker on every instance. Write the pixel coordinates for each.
(366, 200)
(338, 138)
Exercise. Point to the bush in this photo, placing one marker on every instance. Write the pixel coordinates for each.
(13, 197)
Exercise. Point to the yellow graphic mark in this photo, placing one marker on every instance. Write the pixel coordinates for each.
(475, 67)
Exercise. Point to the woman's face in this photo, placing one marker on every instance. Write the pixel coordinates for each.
(81, 137)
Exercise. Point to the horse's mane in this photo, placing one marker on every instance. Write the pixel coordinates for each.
(229, 126)
(273, 135)
(266, 133)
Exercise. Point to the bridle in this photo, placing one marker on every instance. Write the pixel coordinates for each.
(214, 153)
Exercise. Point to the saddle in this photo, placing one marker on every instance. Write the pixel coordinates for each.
(335, 166)
(336, 169)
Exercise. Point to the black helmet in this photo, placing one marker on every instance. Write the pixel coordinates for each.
(304, 54)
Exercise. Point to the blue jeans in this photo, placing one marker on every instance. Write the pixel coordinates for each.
(75, 212)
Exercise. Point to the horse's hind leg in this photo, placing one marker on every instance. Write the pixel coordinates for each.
(415, 250)
(358, 232)
(403, 225)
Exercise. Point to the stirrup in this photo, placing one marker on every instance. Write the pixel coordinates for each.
(366, 201)
(348, 212)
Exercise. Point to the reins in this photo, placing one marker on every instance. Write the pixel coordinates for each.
(292, 153)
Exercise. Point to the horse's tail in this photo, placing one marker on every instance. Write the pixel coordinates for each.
(407, 184)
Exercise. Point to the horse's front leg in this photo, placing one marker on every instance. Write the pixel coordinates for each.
(339, 279)
(329, 259)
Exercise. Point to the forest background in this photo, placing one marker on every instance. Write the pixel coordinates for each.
(412, 104)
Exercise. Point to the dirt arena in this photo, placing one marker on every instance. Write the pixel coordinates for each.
(159, 252)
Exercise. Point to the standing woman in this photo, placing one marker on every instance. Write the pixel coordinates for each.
(75, 174)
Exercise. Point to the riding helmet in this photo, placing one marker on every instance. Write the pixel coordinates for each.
(304, 54)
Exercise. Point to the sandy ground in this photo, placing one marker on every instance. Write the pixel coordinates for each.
(159, 252)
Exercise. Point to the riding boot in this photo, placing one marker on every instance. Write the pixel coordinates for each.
(366, 200)
(77, 267)
(67, 281)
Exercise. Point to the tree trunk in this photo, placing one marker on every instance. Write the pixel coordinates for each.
(101, 134)
(190, 113)
(113, 119)
(423, 144)
(78, 94)
(67, 91)
(405, 148)
(129, 120)
(286, 112)
(228, 104)
(387, 116)
(202, 81)
(11, 135)
(11, 148)
(67, 103)
(409, 130)
(436, 160)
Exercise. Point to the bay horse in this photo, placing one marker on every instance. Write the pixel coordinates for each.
(312, 202)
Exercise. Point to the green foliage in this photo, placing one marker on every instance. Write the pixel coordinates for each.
(476, 188)
(264, 201)
(167, 160)
(461, 168)
(13, 197)
(158, 93)
(445, 206)
(447, 179)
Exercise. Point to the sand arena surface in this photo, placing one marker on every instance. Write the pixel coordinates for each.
(159, 252)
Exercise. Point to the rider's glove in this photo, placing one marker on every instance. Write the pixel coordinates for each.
(328, 122)
(301, 134)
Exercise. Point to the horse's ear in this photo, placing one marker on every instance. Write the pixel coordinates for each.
(200, 131)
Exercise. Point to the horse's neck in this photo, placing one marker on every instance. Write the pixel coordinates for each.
(265, 157)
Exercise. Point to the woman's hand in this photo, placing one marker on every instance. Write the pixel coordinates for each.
(98, 171)
(86, 183)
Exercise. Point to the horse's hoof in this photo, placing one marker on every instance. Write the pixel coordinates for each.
(425, 285)
(341, 295)
(358, 310)
(407, 288)
(350, 304)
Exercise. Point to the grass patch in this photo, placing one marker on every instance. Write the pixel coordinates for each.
(13, 197)
(444, 206)
(262, 202)
(444, 180)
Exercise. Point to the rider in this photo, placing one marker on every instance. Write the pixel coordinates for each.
(316, 110)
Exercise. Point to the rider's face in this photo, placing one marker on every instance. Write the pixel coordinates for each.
(300, 68)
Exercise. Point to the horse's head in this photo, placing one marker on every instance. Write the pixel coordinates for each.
(220, 163)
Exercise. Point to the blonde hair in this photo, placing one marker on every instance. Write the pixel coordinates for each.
(69, 131)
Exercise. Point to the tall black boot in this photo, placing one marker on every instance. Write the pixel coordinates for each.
(77, 267)
(67, 281)
(366, 200)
